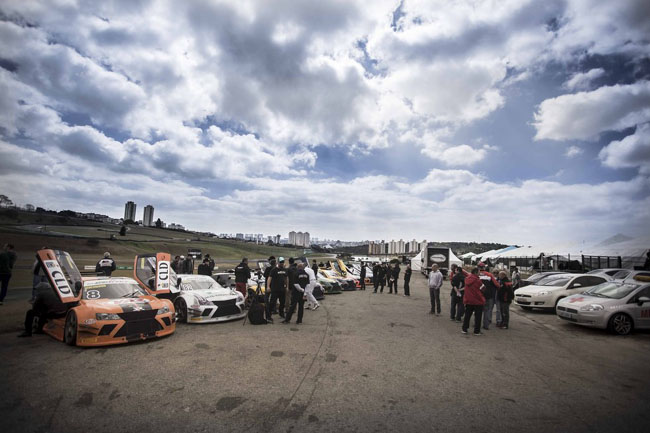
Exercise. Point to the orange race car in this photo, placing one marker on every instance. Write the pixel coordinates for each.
(100, 311)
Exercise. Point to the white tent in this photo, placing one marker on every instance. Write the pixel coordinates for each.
(453, 260)
(466, 255)
(416, 262)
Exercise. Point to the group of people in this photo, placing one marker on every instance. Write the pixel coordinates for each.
(297, 279)
(385, 273)
(475, 293)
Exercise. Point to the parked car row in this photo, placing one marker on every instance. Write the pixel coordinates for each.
(614, 299)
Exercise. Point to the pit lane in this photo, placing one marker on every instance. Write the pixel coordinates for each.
(362, 362)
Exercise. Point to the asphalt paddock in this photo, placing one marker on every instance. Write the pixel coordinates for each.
(361, 363)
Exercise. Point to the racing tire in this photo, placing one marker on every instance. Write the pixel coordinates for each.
(70, 330)
(620, 324)
(181, 310)
(527, 308)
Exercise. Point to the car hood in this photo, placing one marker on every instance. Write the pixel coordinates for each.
(212, 293)
(123, 305)
(534, 290)
(581, 299)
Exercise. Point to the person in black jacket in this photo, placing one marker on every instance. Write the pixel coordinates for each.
(177, 265)
(278, 281)
(362, 276)
(394, 274)
(505, 295)
(457, 292)
(204, 268)
(385, 272)
(210, 263)
(46, 305)
(188, 265)
(376, 269)
(106, 266)
(407, 280)
(314, 267)
(300, 281)
(242, 275)
(267, 290)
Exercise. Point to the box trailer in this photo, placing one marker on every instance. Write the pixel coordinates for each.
(435, 255)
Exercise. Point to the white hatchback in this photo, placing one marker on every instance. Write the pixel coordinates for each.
(548, 291)
(616, 305)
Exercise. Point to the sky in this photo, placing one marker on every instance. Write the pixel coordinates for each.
(513, 121)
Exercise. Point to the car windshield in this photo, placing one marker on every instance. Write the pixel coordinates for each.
(536, 277)
(611, 289)
(555, 280)
(620, 275)
(206, 284)
(108, 290)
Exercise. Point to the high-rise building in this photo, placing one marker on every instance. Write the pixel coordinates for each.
(147, 219)
(306, 242)
(292, 237)
(129, 211)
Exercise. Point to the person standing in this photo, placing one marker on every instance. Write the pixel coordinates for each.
(474, 301)
(46, 303)
(396, 270)
(376, 270)
(407, 280)
(362, 276)
(7, 261)
(210, 263)
(505, 295)
(301, 280)
(177, 265)
(314, 267)
(516, 279)
(435, 283)
(242, 275)
(188, 265)
(267, 289)
(457, 291)
(106, 265)
(204, 268)
(383, 273)
(313, 303)
(490, 293)
(278, 281)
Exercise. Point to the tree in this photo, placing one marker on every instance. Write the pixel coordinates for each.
(123, 231)
(5, 201)
(128, 221)
(158, 223)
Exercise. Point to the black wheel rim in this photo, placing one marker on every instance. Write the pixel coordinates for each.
(72, 326)
(622, 324)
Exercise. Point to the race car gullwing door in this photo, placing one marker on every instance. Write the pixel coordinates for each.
(154, 273)
(62, 273)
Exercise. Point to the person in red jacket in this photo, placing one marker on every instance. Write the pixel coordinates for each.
(474, 301)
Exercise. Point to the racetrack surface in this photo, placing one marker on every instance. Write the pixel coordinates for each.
(362, 362)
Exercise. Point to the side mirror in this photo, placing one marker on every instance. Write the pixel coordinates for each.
(77, 286)
(642, 300)
(576, 285)
(178, 281)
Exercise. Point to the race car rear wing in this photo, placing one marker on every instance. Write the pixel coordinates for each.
(62, 274)
(154, 273)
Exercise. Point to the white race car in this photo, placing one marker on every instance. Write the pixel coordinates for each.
(203, 300)
(616, 305)
(551, 289)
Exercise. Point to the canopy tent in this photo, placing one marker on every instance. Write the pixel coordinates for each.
(416, 262)
(466, 255)
(453, 260)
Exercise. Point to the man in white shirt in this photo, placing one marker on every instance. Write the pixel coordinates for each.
(312, 303)
(435, 283)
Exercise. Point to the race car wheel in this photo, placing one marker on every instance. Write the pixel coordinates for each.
(70, 330)
(621, 324)
(181, 310)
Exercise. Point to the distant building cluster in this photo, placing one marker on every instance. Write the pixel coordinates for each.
(395, 247)
(300, 239)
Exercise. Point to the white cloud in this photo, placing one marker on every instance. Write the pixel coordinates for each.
(573, 151)
(584, 115)
(631, 151)
(582, 80)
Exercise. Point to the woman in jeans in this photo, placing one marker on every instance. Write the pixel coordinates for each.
(505, 295)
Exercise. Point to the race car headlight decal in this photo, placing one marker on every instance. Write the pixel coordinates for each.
(107, 316)
(163, 310)
(201, 300)
(592, 307)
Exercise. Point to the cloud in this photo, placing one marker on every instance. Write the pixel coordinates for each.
(573, 151)
(584, 115)
(631, 151)
(582, 80)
